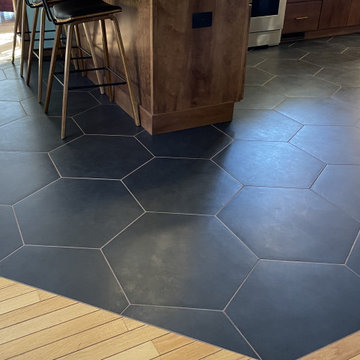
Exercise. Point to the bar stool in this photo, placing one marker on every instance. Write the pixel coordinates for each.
(70, 13)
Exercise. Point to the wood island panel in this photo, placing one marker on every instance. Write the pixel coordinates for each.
(183, 77)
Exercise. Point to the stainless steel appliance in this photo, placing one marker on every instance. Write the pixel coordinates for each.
(267, 20)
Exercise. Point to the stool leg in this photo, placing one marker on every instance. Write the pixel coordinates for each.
(122, 55)
(94, 59)
(31, 46)
(16, 26)
(78, 43)
(23, 21)
(106, 58)
(41, 53)
(66, 78)
(52, 67)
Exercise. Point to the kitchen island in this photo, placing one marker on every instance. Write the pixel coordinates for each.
(186, 58)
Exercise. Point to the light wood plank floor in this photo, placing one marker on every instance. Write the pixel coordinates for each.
(37, 325)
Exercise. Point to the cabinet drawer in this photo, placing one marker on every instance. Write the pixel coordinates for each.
(302, 16)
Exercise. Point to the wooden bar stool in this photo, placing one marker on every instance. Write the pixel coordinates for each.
(70, 13)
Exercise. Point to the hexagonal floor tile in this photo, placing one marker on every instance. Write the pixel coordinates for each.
(265, 125)
(107, 119)
(110, 157)
(333, 60)
(10, 239)
(290, 224)
(179, 260)
(288, 67)
(10, 111)
(283, 51)
(78, 102)
(314, 111)
(15, 90)
(354, 259)
(343, 77)
(287, 310)
(252, 59)
(269, 164)
(352, 51)
(182, 186)
(2, 75)
(340, 184)
(319, 46)
(76, 273)
(202, 142)
(81, 213)
(38, 133)
(350, 95)
(22, 174)
(210, 326)
(259, 97)
(306, 86)
(331, 144)
(346, 40)
(255, 76)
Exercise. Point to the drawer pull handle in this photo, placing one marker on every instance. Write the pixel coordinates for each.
(302, 18)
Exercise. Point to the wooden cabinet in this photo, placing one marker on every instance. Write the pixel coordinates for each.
(317, 18)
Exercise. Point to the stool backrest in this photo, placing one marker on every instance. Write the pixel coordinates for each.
(33, 3)
(47, 5)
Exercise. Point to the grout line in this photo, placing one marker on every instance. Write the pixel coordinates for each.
(177, 213)
(357, 239)
(227, 172)
(61, 246)
(303, 262)
(15, 251)
(222, 149)
(354, 272)
(66, 143)
(319, 71)
(53, 162)
(229, 200)
(90, 178)
(133, 195)
(176, 307)
(18, 225)
(135, 137)
(221, 131)
(138, 168)
(313, 183)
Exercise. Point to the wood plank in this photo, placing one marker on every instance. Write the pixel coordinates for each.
(146, 351)
(193, 351)
(170, 342)
(14, 290)
(42, 322)
(33, 311)
(226, 355)
(132, 324)
(55, 333)
(117, 344)
(22, 300)
(5, 283)
(76, 342)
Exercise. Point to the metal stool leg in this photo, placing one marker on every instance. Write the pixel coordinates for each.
(122, 55)
(23, 22)
(31, 46)
(41, 53)
(16, 26)
(93, 55)
(106, 58)
(52, 67)
(66, 78)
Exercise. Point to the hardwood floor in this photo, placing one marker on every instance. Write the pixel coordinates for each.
(35, 324)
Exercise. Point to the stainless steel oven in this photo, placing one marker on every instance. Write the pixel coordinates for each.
(267, 20)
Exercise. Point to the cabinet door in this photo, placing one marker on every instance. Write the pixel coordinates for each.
(335, 13)
(354, 18)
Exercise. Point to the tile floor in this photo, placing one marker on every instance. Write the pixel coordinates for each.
(242, 235)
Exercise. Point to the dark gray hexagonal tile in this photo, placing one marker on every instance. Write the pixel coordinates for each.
(179, 260)
(10, 111)
(107, 119)
(288, 67)
(333, 60)
(14, 90)
(319, 46)
(331, 144)
(182, 186)
(37, 133)
(110, 157)
(340, 184)
(83, 213)
(255, 76)
(299, 85)
(265, 125)
(258, 97)
(287, 310)
(76, 273)
(349, 95)
(346, 40)
(2, 75)
(354, 258)
(343, 77)
(314, 111)
(202, 142)
(290, 224)
(78, 102)
(252, 59)
(102, 98)
(283, 51)
(10, 239)
(22, 174)
(269, 164)
(352, 51)
(210, 326)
